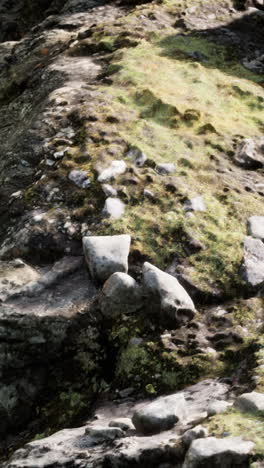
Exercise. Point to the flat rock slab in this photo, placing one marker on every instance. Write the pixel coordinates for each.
(106, 255)
(256, 227)
(160, 415)
(253, 262)
(250, 402)
(214, 453)
(166, 296)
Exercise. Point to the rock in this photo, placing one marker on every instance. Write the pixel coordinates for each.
(160, 415)
(197, 432)
(150, 195)
(104, 434)
(116, 168)
(250, 402)
(120, 294)
(109, 191)
(195, 204)
(123, 423)
(114, 208)
(165, 168)
(137, 156)
(253, 262)
(213, 453)
(256, 227)
(165, 295)
(80, 179)
(218, 407)
(15, 275)
(250, 154)
(106, 255)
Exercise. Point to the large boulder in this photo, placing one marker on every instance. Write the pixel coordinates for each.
(215, 453)
(256, 227)
(253, 262)
(160, 415)
(106, 255)
(250, 402)
(165, 295)
(120, 294)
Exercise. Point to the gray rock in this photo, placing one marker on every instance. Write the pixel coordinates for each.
(256, 227)
(106, 255)
(250, 154)
(123, 423)
(160, 415)
(165, 168)
(80, 179)
(137, 157)
(197, 432)
(114, 208)
(195, 204)
(150, 195)
(104, 434)
(165, 295)
(15, 275)
(217, 407)
(109, 191)
(120, 294)
(253, 262)
(214, 453)
(250, 402)
(116, 168)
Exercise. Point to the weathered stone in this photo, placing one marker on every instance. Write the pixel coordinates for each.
(80, 179)
(250, 154)
(109, 191)
(165, 168)
(165, 295)
(253, 262)
(104, 434)
(197, 432)
(195, 204)
(256, 227)
(137, 156)
(213, 453)
(160, 415)
(116, 168)
(123, 423)
(250, 402)
(106, 255)
(120, 294)
(113, 208)
(217, 407)
(14, 275)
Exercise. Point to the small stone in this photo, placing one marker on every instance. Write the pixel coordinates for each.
(114, 208)
(80, 179)
(150, 195)
(116, 168)
(137, 156)
(160, 415)
(109, 191)
(253, 262)
(250, 402)
(195, 204)
(256, 227)
(165, 168)
(197, 432)
(218, 407)
(120, 294)
(250, 154)
(104, 434)
(123, 423)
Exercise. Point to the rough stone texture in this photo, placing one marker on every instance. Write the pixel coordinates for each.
(137, 157)
(250, 154)
(120, 294)
(80, 178)
(124, 423)
(197, 432)
(109, 191)
(165, 168)
(195, 204)
(160, 415)
(14, 275)
(166, 296)
(104, 434)
(253, 262)
(213, 453)
(116, 168)
(114, 208)
(250, 402)
(106, 255)
(256, 227)
(217, 407)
